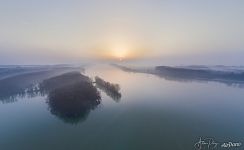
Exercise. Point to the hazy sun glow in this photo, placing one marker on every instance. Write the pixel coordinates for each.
(117, 50)
(120, 53)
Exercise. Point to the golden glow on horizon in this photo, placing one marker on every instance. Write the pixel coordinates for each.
(118, 46)
(118, 53)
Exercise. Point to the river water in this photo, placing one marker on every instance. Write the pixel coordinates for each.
(152, 114)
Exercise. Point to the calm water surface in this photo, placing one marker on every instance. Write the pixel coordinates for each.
(153, 113)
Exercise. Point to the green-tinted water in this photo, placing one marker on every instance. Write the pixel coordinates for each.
(153, 113)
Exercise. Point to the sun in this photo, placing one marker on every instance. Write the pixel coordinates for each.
(116, 52)
(120, 53)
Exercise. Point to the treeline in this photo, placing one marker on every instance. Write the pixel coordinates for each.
(18, 82)
(110, 89)
(232, 77)
(71, 96)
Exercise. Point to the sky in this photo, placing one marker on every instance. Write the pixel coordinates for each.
(170, 32)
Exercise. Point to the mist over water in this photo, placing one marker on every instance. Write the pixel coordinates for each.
(152, 112)
(121, 75)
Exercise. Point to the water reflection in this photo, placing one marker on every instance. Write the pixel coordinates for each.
(112, 90)
(234, 78)
(71, 96)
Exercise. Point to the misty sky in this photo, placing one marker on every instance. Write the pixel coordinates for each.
(166, 32)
